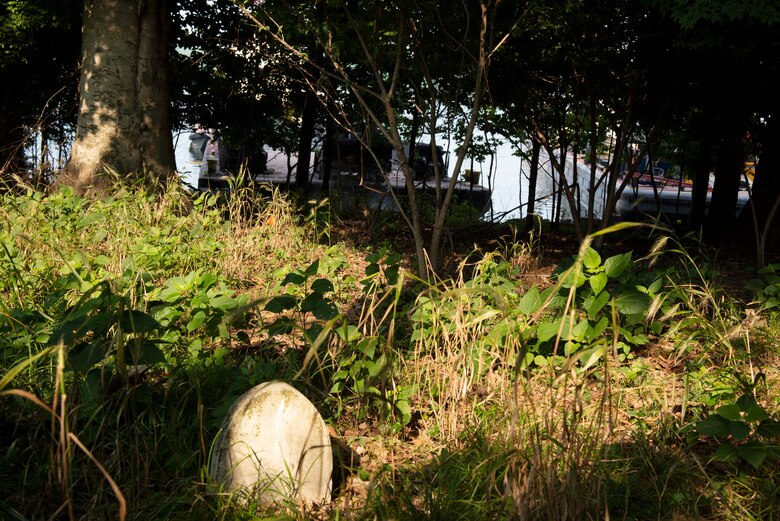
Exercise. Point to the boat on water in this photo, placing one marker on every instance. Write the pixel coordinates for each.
(654, 194)
(651, 193)
(358, 178)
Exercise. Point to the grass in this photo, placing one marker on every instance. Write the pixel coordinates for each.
(129, 325)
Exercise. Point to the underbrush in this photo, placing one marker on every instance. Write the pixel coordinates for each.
(629, 387)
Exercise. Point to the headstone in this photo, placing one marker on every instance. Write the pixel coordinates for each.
(273, 445)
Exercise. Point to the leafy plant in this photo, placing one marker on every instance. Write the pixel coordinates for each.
(766, 288)
(307, 296)
(599, 290)
(745, 431)
(196, 307)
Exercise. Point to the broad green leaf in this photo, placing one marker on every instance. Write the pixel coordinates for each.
(86, 355)
(540, 360)
(573, 278)
(348, 333)
(90, 219)
(293, 278)
(405, 410)
(754, 453)
(589, 357)
(377, 367)
(391, 273)
(557, 301)
(595, 303)
(325, 309)
(655, 287)
(597, 329)
(615, 266)
(497, 335)
(726, 452)
(569, 348)
(310, 302)
(632, 302)
(756, 413)
(280, 326)
(591, 259)
(135, 321)
(224, 302)
(527, 360)
(207, 280)
(98, 323)
(367, 346)
(547, 330)
(598, 282)
(174, 289)
(746, 401)
(768, 428)
(146, 352)
(530, 302)
(714, 425)
(313, 331)
(280, 303)
(730, 411)
(739, 430)
(70, 330)
(322, 286)
(196, 321)
(312, 269)
(579, 331)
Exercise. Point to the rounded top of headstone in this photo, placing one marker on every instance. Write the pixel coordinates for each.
(273, 445)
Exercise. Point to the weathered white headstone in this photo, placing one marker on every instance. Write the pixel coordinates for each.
(273, 445)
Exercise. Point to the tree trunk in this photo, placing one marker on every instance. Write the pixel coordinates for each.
(124, 121)
(701, 183)
(304, 143)
(327, 155)
(761, 212)
(766, 186)
(722, 214)
(536, 148)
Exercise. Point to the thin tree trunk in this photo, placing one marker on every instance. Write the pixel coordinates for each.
(533, 175)
(327, 155)
(304, 143)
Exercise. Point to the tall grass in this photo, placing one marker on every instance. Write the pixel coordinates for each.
(83, 306)
(129, 324)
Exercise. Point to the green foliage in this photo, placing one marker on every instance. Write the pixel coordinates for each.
(615, 290)
(358, 363)
(721, 12)
(766, 289)
(121, 315)
(307, 296)
(575, 318)
(21, 20)
(747, 429)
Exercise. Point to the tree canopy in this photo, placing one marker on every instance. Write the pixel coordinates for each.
(696, 80)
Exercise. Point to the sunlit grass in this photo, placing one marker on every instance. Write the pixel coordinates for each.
(458, 407)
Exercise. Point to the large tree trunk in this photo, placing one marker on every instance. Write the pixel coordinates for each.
(124, 121)
(722, 214)
(761, 212)
(701, 182)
